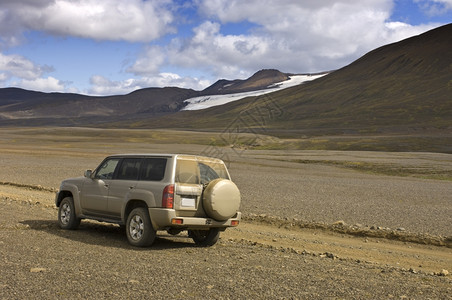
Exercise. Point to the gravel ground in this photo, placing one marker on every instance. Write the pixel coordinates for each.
(329, 194)
(41, 261)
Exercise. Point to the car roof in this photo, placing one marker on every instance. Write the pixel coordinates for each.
(167, 155)
(143, 155)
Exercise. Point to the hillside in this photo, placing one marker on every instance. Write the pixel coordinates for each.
(260, 80)
(22, 107)
(401, 87)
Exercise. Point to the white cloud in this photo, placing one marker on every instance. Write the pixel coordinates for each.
(48, 84)
(435, 7)
(221, 54)
(19, 66)
(149, 62)
(17, 71)
(129, 20)
(103, 86)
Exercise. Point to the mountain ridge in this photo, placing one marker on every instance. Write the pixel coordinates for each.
(19, 105)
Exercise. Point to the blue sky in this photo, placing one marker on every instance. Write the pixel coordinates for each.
(106, 47)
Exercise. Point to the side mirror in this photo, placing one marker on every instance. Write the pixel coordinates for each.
(88, 173)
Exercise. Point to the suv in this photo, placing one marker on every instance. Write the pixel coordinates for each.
(150, 192)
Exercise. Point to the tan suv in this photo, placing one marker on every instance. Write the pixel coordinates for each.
(151, 192)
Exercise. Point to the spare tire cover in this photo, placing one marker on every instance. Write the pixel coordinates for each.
(221, 199)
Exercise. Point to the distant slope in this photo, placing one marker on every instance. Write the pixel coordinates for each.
(22, 107)
(401, 87)
(17, 104)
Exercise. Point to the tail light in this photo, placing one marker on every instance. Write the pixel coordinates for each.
(168, 196)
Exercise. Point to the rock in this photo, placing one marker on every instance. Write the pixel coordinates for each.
(38, 270)
(339, 223)
(443, 272)
(400, 229)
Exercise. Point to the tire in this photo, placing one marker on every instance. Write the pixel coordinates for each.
(221, 199)
(205, 238)
(139, 230)
(66, 214)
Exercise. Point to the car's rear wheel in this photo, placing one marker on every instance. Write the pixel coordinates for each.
(66, 214)
(139, 230)
(205, 238)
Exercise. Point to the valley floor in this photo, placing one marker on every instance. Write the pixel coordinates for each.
(317, 224)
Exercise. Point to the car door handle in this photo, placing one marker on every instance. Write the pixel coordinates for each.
(106, 186)
(131, 187)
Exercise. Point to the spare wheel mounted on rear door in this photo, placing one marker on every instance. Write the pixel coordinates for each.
(221, 199)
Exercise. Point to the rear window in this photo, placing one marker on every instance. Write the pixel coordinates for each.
(199, 171)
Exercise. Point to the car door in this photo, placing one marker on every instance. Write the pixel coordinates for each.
(125, 180)
(95, 190)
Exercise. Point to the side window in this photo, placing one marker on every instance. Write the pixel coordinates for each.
(107, 169)
(153, 169)
(129, 168)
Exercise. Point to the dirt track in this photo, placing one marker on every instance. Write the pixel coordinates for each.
(277, 252)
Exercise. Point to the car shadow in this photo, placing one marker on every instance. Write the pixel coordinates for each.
(108, 235)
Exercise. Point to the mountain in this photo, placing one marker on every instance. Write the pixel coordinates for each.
(22, 107)
(259, 81)
(403, 87)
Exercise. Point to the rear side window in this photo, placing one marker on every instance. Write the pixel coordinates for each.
(129, 169)
(153, 169)
(195, 171)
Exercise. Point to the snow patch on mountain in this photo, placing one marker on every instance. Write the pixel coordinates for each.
(204, 102)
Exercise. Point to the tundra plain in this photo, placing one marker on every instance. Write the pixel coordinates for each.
(317, 224)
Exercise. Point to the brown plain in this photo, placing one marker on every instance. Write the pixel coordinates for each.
(313, 227)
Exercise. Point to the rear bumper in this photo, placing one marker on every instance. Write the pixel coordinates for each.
(163, 218)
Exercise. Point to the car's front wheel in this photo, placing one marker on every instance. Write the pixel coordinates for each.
(139, 230)
(205, 238)
(66, 214)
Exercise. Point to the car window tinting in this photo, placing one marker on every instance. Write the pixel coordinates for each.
(129, 169)
(107, 169)
(153, 169)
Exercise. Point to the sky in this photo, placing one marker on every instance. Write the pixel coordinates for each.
(111, 47)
